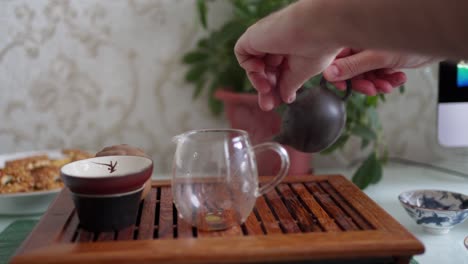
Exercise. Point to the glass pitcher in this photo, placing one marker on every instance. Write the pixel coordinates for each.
(215, 180)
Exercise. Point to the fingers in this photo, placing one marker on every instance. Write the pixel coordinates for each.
(374, 83)
(295, 73)
(259, 81)
(382, 86)
(269, 101)
(395, 78)
(273, 60)
(341, 85)
(364, 86)
(348, 67)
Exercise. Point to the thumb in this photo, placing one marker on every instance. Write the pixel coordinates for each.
(348, 67)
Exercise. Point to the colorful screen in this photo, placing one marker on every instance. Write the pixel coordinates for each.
(462, 74)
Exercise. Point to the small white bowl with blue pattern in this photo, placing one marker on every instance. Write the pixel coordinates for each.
(436, 211)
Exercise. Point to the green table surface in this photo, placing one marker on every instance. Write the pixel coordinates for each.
(12, 237)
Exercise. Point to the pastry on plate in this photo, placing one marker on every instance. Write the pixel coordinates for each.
(36, 172)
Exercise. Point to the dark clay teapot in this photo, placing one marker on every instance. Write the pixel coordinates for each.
(315, 120)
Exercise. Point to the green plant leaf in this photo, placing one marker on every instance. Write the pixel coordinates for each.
(241, 9)
(216, 106)
(377, 171)
(372, 101)
(413, 261)
(202, 10)
(203, 44)
(364, 143)
(373, 118)
(370, 169)
(230, 31)
(384, 157)
(198, 88)
(194, 57)
(363, 132)
(281, 108)
(382, 97)
(339, 143)
(356, 103)
(402, 89)
(195, 72)
(313, 82)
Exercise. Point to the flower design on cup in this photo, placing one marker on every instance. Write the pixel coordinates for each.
(436, 211)
(111, 167)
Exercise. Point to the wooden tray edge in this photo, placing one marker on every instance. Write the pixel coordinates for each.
(296, 247)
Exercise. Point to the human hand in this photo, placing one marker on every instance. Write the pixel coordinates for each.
(371, 71)
(127, 150)
(277, 58)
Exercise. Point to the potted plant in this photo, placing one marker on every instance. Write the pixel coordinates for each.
(212, 65)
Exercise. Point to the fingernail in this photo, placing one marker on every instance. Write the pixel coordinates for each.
(334, 71)
(291, 98)
(267, 106)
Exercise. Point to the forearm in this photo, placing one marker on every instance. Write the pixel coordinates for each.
(434, 27)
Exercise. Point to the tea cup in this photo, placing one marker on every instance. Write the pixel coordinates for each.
(106, 190)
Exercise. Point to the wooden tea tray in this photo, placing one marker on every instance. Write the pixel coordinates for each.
(307, 219)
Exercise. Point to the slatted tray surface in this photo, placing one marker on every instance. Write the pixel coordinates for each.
(305, 218)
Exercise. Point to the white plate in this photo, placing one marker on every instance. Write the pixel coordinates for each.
(27, 203)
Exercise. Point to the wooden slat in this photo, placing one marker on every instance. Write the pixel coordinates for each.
(323, 218)
(357, 218)
(266, 216)
(84, 236)
(69, 229)
(262, 179)
(340, 217)
(306, 221)
(50, 227)
(380, 219)
(165, 228)
(299, 178)
(230, 218)
(184, 229)
(285, 218)
(105, 236)
(239, 249)
(253, 226)
(230, 232)
(126, 233)
(146, 227)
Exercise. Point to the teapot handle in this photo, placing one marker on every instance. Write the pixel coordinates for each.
(323, 84)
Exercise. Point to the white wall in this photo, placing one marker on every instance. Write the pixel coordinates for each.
(89, 73)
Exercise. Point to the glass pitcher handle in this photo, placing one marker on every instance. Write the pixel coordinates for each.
(283, 169)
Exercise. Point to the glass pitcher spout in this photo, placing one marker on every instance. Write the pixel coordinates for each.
(178, 138)
(181, 137)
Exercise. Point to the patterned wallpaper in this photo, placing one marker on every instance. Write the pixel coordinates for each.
(89, 74)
